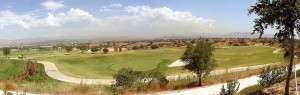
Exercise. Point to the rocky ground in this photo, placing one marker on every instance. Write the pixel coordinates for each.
(278, 89)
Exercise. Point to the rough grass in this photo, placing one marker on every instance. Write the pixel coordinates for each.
(105, 65)
(251, 89)
(10, 68)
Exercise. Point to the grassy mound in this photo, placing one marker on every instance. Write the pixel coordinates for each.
(10, 68)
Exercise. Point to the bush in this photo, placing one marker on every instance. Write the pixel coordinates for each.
(113, 90)
(94, 49)
(127, 78)
(157, 78)
(271, 76)
(154, 47)
(82, 88)
(134, 48)
(105, 50)
(232, 88)
(251, 89)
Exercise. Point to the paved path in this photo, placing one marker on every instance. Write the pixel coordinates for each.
(215, 89)
(52, 71)
(17, 93)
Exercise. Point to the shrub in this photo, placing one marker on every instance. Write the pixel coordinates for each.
(5, 92)
(113, 90)
(82, 88)
(157, 78)
(105, 50)
(94, 49)
(134, 47)
(127, 78)
(154, 47)
(251, 89)
(232, 88)
(271, 76)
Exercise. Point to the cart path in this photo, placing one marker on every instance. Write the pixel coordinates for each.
(216, 88)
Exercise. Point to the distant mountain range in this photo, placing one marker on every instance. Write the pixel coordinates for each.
(61, 40)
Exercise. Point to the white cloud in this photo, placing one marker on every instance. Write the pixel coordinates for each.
(105, 9)
(10, 18)
(166, 14)
(139, 21)
(109, 8)
(115, 5)
(53, 5)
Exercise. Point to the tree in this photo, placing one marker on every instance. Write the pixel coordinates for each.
(105, 50)
(94, 49)
(6, 51)
(69, 49)
(284, 15)
(83, 48)
(199, 58)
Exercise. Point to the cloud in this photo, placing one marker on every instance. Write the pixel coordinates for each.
(167, 15)
(109, 8)
(10, 18)
(162, 21)
(105, 9)
(53, 5)
(115, 5)
(140, 21)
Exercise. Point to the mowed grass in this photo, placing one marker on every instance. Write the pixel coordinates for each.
(245, 56)
(10, 68)
(105, 65)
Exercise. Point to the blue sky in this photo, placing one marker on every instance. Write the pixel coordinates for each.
(136, 18)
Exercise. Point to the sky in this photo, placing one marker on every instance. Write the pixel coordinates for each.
(122, 18)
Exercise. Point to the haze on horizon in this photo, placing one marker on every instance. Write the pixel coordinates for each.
(133, 18)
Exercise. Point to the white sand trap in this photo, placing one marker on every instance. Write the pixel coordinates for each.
(177, 63)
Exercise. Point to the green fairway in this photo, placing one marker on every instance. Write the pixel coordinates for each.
(246, 56)
(105, 65)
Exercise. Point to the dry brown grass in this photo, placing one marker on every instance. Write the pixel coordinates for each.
(210, 80)
(9, 86)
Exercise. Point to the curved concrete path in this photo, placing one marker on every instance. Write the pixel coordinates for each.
(216, 88)
(52, 71)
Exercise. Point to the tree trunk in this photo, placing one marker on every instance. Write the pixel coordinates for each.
(199, 83)
(287, 84)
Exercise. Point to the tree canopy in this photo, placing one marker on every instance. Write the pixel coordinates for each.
(6, 51)
(283, 15)
(199, 58)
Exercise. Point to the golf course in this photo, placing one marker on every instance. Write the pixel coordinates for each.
(99, 65)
